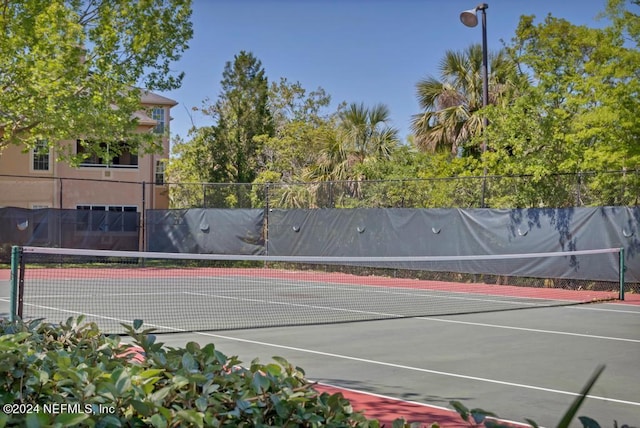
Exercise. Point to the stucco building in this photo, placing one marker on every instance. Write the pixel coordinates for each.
(34, 180)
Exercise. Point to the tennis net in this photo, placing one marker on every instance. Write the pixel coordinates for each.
(174, 292)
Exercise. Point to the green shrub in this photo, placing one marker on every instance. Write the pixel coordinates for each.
(94, 380)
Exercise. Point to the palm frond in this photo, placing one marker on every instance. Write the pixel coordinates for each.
(451, 103)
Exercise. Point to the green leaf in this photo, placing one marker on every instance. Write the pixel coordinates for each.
(137, 324)
(191, 416)
(32, 420)
(141, 407)
(17, 337)
(160, 394)
(282, 361)
(479, 415)
(192, 347)
(398, 423)
(260, 383)
(202, 403)
(158, 421)
(243, 406)
(189, 363)
(149, 373)
(461, 409)
(70, 419)
(89, 390)
(179, 381)
(122, 381)
(573, 409)
(533, 424)
(587, 422)
(283, 410)
(43, 376)
(273, 369)
(110, 421)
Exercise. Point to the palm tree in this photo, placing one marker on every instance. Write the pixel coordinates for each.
(365, 133)
(451, 103)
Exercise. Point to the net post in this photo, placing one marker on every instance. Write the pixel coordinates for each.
(16, 255)
(621, 269)
(21, 284)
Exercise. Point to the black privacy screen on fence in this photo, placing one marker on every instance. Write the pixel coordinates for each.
(446, 232)
(375, 232)
(48, 227)
(209, 231)
(361, 232)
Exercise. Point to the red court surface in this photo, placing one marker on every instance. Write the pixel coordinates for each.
(388, 409)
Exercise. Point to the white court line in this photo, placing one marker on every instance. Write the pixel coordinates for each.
(418, 369)
(532, 330)
(591, 308)
(378, 314)
(69, 311)
(426, 318)
(297, 305)
(413, 292)
(420, 293)
(107, 294)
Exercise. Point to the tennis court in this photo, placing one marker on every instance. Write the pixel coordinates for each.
(522, 364)
(521, 353)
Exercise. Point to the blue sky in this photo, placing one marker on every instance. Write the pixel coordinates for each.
(363, 51)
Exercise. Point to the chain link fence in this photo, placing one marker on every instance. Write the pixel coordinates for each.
(611, 188)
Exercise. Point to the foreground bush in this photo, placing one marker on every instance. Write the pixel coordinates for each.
(95, 380)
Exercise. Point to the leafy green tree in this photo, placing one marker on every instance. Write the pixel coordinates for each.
(579, 114)
(184, 170)
(232, 149)
(451, 102)
(242, 113)
(65, 64)
(302, 126)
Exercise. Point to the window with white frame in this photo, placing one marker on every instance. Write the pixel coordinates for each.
(160, 172)
(157, 114)
(107, 218)
(40, 156)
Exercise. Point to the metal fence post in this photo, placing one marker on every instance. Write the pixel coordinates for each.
(143, 220)
(266, 219)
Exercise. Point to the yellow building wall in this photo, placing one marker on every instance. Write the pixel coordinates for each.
(63, 186)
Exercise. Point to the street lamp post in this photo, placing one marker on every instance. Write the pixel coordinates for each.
(470, 19)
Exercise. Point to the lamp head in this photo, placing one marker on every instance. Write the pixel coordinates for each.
(469, 18)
